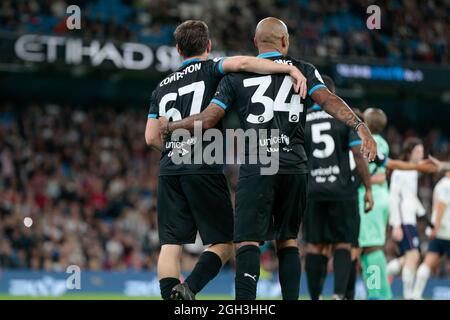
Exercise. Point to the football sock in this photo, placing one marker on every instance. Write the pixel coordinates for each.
(408, 276)
(316, 271)
(423, 273)
(247, 272)
(207, 267)
(350, 292)
(342, 263)
(375, 275)
(166, 285)
(289, 272)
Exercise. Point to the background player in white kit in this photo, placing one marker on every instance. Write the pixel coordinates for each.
(440, 234)
(405, 207)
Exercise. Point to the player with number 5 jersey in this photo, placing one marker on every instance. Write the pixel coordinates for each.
(331, 222)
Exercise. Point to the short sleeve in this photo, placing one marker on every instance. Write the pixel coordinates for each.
(225, 94)
(217, 67)
(153, 112)
(314, 80)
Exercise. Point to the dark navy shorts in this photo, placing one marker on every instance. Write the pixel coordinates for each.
(440, 246)
(194, 202)
(410, 239)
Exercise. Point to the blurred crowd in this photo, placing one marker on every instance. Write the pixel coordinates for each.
(87, 180)
(411, 30)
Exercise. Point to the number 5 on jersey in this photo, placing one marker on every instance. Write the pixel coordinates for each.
(318, 136)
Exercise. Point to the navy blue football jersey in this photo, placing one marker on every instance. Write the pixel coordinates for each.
(268, 102)
(329, 144)
(183, 93)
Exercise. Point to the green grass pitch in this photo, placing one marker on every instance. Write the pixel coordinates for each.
(111, 297)
(101, 297)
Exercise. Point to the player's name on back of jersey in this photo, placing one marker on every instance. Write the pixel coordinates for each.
(259, 147)
(283, 61)
(180, 74)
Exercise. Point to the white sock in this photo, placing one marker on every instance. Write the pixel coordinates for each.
(423, 273)
(408, 276)
(394, 267)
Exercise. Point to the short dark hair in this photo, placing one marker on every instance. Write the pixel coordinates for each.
(192, 37)
(375, 119)
(408, 146)
(329, 83)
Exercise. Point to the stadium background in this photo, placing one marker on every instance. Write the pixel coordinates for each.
(73, 107)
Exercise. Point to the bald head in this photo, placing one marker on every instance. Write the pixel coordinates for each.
(272, 34)
(375, 119)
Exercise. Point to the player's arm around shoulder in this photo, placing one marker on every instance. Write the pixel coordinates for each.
(265, 66)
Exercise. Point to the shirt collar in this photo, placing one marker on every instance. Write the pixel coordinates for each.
(186, 62)
(269, 54)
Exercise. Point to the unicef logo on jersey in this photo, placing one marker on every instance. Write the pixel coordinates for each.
(181, 148)
(322, 175)
(238, 146)
(260, 119)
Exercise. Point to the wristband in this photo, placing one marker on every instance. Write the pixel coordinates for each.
(357, 125)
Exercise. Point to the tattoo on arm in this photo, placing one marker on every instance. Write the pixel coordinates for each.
(337, 108)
